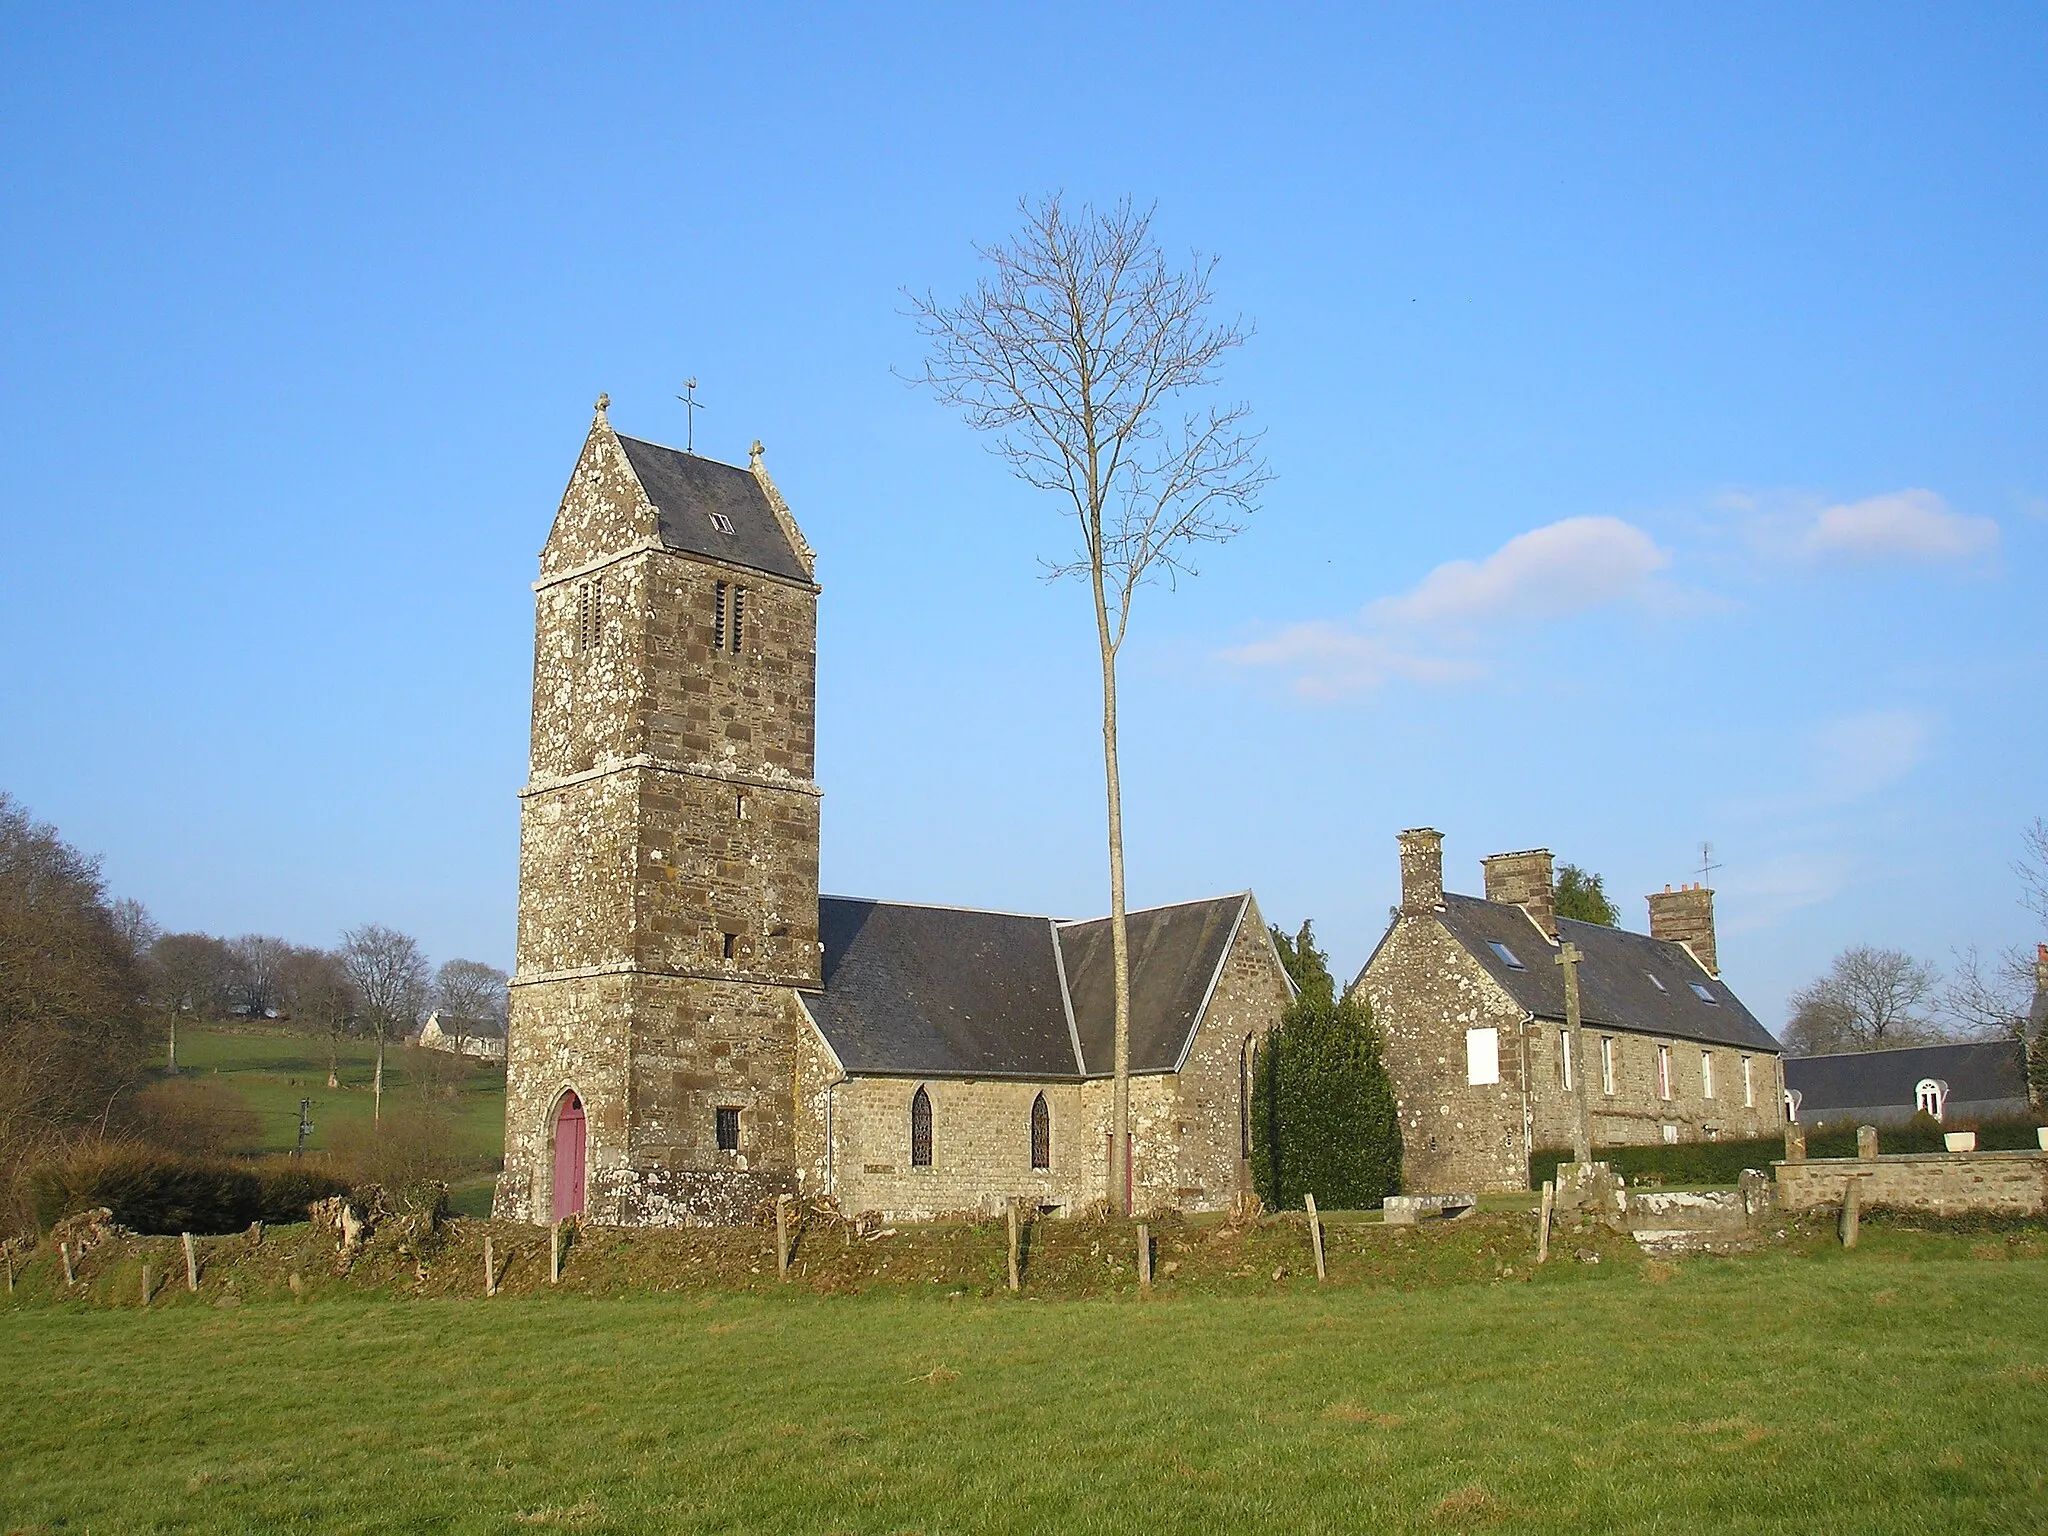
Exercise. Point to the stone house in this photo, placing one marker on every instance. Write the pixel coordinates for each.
(1469, 1001)
(481, 1038)
(1980, 1080)
(693, 1029)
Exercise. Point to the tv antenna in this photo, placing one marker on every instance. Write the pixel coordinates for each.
(1707, 863)
(692, 407)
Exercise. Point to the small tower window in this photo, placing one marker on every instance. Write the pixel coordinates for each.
(728, 1128)
(920, 1129)
(1041, 1133)
(730, 942)
(589, 617)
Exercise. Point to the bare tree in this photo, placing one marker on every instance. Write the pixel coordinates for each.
(2032, 868)
(72, 1039)
(1869, 1000)
(316, 990)
(260, 960)
(137, 928)
(1078, 351)
(191, 976)
(390, 978)
(469, 993)
(1989, 998)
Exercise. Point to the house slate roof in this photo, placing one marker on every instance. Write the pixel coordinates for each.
(1626, 980)
(1992, 1069)
(919, 991)
(686, 490)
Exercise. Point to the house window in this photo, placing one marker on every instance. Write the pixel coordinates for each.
(1041, 1133)
(728, 1128)
(1663, 1071)
(1507, 956)
(1699, 991)
(1930, 1096)
(1564, 1058)
(1607, 1063)
(1706, 1074)
(1482, 1056)
(920, 1129)
(1792, 1098)
(1748, 1085)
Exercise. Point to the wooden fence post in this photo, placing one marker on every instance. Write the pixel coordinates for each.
(555, 1253)
(1013, 1244)
(145, 1283)
(1315, 1232)
(10, 1271)
(191, 1265)
(1851, 1210)
(490, 1268)
(782, 1238)
(1543, 1226)
(1144, 1259)
(64, 1252)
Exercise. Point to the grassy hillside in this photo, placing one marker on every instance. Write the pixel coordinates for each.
(1900, 1388)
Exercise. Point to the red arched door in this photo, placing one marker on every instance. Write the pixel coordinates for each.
(569, 1157)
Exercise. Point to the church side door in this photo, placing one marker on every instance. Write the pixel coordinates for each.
(569, 1152)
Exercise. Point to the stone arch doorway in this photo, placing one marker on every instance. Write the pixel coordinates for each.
(571, 1146)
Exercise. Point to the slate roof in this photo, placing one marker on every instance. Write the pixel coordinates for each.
(686, 490)
(918, 991)
(1995, 1069)
(1626, 981)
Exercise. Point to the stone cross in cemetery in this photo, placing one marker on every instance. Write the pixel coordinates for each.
(1569, 957)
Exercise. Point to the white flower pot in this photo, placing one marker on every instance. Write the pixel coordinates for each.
(1960, 1141)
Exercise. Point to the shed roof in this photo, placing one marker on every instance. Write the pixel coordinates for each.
(1626, 980)
(1991, 1069)
(927, 991)
(688, 492)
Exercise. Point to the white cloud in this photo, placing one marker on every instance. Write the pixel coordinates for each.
(1562, 568)
(1858, 755)
(1551, 572)
(1911, 525)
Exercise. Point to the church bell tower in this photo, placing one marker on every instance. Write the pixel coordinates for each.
(668, 862)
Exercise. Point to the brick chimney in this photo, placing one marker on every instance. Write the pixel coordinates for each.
(1687, 916)
(1524, 880)
(1422, 869)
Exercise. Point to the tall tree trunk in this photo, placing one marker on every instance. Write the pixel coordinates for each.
(333, 1061)
(377, 1083)
(1119, 935)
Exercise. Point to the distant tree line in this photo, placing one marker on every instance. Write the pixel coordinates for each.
(91, 988)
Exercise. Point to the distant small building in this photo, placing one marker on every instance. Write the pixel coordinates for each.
(1985, 1080)
(1469, 1000)
(481, 1038)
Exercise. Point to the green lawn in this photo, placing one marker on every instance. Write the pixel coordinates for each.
(273, 1068)
(1903, 1387)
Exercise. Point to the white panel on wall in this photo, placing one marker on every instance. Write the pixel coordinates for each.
(1482, 1055)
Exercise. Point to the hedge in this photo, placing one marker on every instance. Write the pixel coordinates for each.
(151, 1190)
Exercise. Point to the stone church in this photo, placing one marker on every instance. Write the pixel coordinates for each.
(695, 1030)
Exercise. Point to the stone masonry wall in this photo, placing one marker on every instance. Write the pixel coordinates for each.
(1426, 992)
(1945, 1184)
(1635, 1114)
(565, 1034)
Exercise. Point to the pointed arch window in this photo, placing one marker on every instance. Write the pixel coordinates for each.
(1041, 1133)
(920, 1129)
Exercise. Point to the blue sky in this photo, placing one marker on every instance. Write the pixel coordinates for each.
(1656, 398)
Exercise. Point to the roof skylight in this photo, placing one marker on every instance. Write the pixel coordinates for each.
(1507, 955)
(1700, 991)
(721, 522)
(1655, 982)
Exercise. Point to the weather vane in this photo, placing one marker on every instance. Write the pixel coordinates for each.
(691, 406)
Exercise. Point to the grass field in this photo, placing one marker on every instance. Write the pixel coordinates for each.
(1903, 1387)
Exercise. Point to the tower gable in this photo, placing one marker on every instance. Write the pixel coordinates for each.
(604, 510)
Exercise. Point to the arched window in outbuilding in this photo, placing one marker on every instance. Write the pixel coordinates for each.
(920, 1129)
(1930, 1096)
(1041, 1133)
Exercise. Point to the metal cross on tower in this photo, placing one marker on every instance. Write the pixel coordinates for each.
(691, 407)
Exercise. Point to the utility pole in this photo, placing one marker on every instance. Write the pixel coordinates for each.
(1568, 956)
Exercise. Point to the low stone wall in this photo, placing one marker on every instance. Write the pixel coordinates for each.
(1941, 1183)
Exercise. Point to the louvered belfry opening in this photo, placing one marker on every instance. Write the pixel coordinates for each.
(920, 1129)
